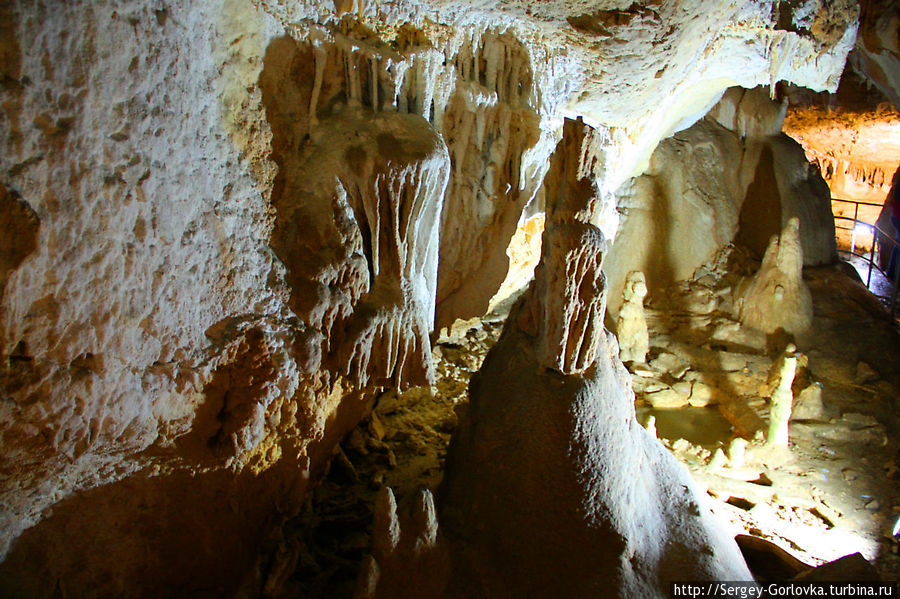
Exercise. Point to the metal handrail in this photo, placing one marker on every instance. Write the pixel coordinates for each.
(878, 236)
(857, 202)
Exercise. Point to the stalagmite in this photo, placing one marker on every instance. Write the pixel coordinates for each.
(552, 487)
(409, 558)
(631, 326)
(737, 450)
(780, 409)
(732, 176)
(776, 296)
(650, 426)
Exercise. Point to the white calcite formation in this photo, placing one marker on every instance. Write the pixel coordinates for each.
(357, 227)
(732, 175)
(229, 224)
(782, 399)
(776, 297)
(631, 326)
(787, 186)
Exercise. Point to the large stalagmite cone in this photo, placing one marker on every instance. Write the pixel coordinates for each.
(559, 492)
(776, 297)
(552, 488)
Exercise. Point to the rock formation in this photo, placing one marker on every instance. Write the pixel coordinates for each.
(231, 224)
(731, 176)
(782, 398)
(776, 296)
(877, 55)
(357, 228)
(787, 186)
(531, 501)
(851, 135)
(631, 326)
(409, 558)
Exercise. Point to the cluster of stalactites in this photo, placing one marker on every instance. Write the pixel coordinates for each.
(479, 92)
(494, 68)
(366, 277)
(872, 175)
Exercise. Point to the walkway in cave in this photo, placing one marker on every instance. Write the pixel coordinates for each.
(834, 493)
(879, 284)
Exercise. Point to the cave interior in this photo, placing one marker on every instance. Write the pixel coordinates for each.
(598, 296)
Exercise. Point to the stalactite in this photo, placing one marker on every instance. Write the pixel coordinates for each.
(321, 58)
(367, 277)
(480, 93)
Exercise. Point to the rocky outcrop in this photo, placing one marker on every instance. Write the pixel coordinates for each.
(731, 177)
(679, 213)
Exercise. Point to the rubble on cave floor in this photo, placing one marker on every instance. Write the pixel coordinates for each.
(835, 491)
(402, 444)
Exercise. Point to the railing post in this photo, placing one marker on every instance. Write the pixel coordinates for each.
(893, 279)
(871, 257)
(894, 293)
(876, 231)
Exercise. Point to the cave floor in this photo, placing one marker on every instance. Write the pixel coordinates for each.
(835, 491)
(402, 444)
